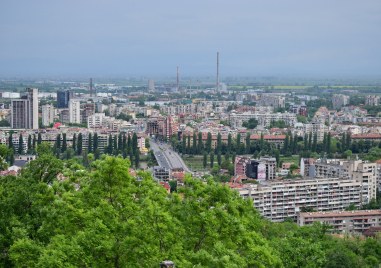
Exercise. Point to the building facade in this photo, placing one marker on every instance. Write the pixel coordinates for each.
(63, 98)
(24, 111)
(74, 111)
(356, 221)
(279, 200)
(47, 113)
(339, 100)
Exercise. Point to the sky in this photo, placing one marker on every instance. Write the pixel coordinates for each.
(150, 38)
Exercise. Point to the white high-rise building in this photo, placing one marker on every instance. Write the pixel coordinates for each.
(95, 120)
(25, 110)
(151, 85)
(74, 111)
(339, 100)
(47, 114)
(278, 200)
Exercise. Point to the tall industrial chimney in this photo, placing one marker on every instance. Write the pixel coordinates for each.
(177, 79)
(91, 87)
(218, 71)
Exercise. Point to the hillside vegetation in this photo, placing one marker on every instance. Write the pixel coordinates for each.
(104, 217)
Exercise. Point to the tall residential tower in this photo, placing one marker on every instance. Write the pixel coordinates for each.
(24, 111)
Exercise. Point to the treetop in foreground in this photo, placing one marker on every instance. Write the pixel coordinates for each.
(58, 214)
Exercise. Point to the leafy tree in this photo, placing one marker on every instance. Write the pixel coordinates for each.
(115, 145)
(102, 216)
(30, 149)
(238, 146)
(301, 119)
(278, 124)
(211, 159)
(230, 143)
(129, 144)
(219, 143)
(4, 123)
(95, 142)
(188, 145)
(219, 159)
(57, 145)
(90, 143)
(120, 143)
(79, 144)
(134, 143)
(74, 145)
(184, 145)
(314, 143)
(64, 143)
(34, 143)
(39, 138)
(200, 145)
(194, 143)
(205, 160)
(208, 145)
(46, 167)
(251, 123)
(21, 143)
(248, 143)
(137, 158)
(10, 141)
(373, 154)
(110, 145)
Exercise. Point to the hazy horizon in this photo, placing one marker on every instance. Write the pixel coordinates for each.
(149, 39)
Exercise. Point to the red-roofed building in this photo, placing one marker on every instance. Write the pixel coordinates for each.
(278, 140)
(166, 186)
(368, 137)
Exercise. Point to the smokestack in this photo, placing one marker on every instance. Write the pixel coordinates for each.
(91, 87)
(218, 71)
(177, 79)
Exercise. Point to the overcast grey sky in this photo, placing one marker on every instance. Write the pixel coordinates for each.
(125, 37)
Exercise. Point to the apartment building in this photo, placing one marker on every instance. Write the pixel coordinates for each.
(102, 141)
(264, 119)
(356, 221)
(361, 171)
(24, 111)
(63, 98)
(372, 100)
(315, 128)
(161, 173)
(95, 120)
(274, 101)
(74, 111)
(163, 127)
(299, 109)
(277, 140)
(259, 169)
(48, 113)
(339, 100)
(279, 200)
(179, 109)
(87, 110)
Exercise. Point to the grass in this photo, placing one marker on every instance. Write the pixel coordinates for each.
(195, 163)
(290, 159)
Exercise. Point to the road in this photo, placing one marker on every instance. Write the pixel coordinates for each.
(166, 157)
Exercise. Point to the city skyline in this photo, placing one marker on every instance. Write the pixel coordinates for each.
(127, 38)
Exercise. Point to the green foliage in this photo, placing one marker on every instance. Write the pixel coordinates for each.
(123, 116)
(4, 123)
(373, 154)
(278, 124)
(301, 118)
(251, 124)
(104, 217)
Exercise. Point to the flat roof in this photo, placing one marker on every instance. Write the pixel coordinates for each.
(330, 214)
